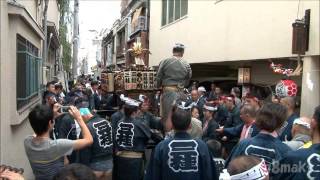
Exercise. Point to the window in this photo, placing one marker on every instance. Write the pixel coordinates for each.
(121, 43)
(173, 10)
(28, 67)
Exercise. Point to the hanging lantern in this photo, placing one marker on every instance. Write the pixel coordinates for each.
(286, 88)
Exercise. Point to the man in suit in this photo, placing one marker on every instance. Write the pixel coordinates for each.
(202, 96)
(245, 130)
(197, 99)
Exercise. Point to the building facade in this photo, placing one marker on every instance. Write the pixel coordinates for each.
(21, 70)
(52, 64)
(223, 36)
(131, 29)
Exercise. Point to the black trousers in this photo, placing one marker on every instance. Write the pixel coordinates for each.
(128, 168)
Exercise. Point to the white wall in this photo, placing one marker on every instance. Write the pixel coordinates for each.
(34, 8)
(53, 13)
(31, 7)
(11, 136)
(232, 30)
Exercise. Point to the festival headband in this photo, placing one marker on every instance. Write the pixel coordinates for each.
(181, 106)
(252, 97)
(258, 172)
(201, 89)
(142, 97)
(129, 101)
(210, 108)
(230, 98)
(179, 45)
(302, 123)
(222, 98)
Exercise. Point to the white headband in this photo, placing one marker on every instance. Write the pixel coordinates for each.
(183, 107)
(129, 101)
(142, 97)
(257, 172)
(179, 45)
(210, 108)
(229, 98)
(201, 89)
(302, 123)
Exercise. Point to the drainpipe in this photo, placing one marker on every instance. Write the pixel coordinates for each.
(147, 27)
(45, 30)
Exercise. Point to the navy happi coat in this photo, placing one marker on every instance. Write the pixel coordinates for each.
(181, 157)
(262, 145)
(303, 164)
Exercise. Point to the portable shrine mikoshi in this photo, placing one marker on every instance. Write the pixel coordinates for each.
(130, 82)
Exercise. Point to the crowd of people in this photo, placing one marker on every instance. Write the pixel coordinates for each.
(174, 134)
(208, 135)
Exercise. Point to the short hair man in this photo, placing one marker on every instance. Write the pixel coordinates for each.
(147, 117)
(173, 76)
(285, 131)
(265, 145)
(308, 158)
(235, 91)
(94, 86)
(246, 167)
(245, 130)
(197, 99)
(234, 119)
(301, 133)
(51, 86)
(218, 91)
(212, 94)
(209, 123)
(59, 93)
(252, 99)
(45, 155)
(131, 137)
(49, 96)
(181, 157)
(194, 97)
(98, 156)
(92, 92)
(202, 100)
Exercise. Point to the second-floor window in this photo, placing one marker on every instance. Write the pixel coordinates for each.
(173, 10)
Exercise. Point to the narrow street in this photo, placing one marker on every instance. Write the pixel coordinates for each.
(159, 89)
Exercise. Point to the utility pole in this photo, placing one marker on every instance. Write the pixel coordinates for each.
(75, 38)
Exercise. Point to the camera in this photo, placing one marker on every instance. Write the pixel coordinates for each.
(64, 109)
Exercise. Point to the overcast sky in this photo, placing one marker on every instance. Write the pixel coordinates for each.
(95, 15)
